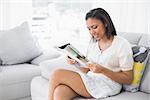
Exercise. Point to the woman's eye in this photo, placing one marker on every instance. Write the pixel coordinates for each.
(89, 29)
(94, 27)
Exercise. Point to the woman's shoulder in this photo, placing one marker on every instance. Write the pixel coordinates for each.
(123, 44)
(121, 40)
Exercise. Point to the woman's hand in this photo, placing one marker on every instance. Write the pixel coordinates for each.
(71, 61)
(96, 68)
(84, 69)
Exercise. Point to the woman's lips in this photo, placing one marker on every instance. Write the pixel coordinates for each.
(96, 37)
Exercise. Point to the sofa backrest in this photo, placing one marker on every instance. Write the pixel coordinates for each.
(142, 40)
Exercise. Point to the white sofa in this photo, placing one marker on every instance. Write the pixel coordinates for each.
(39, 84)
(20, 56)
(15, 79)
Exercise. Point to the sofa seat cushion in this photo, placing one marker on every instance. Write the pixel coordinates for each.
(15, 80)
(39, 88)
(15, 91)
(124, 96)
(15, 74)
(39, 91)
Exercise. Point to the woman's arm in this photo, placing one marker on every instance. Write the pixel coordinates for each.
(123, 77)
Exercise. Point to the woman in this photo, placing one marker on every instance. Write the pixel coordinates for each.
(110, 66)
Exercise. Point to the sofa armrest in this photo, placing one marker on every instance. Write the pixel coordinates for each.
(47, 55)
(48, 66)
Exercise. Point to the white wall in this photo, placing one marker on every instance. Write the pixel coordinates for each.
(127, 15)
(14, 12)
(148, 17)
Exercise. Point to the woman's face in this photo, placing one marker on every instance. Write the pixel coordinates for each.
(96, 28)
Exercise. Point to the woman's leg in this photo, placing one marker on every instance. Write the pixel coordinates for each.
(63, 92)
(68, 78)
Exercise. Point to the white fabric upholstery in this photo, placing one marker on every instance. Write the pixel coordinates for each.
(133, 38)
(39, 88)
(15, 91)
(15, 80)
(145, 40)
(39, 91)
(145, 87)
(47, 55)
(17, 45)
(26, 98)
(60, 63)
(124, 96)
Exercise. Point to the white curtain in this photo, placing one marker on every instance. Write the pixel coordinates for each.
(66, 17)
(14, 12)
(127, 15)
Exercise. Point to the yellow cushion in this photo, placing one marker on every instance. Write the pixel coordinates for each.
(138, 72)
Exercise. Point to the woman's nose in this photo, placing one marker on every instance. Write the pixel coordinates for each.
(92, 32)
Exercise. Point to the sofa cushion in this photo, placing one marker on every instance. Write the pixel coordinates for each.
(131, 37)
(18, 45)
(140, 55)
(39, 91)
(15, 80)
(47, 67)
(145, 41)
(145, 87)
(15, 91)
(47, 55)
(39, 88)
(15, 74)
(124, 96)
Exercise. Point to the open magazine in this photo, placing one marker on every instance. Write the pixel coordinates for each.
(72, 52)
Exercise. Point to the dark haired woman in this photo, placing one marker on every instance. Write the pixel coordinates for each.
(111, 63)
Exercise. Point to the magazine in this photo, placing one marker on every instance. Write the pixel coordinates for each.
(73, 53)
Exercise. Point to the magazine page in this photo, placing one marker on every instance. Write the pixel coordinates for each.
(72, 52)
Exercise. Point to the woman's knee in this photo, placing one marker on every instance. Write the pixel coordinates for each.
(56, 75)
(60, 93)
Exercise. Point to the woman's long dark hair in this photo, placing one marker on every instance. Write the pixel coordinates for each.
(103, 16)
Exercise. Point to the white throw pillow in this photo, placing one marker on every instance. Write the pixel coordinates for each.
(17, 45)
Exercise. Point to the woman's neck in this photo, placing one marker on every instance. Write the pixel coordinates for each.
(106, 40)
(105, 43)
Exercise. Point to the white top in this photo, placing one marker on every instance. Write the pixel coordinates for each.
(118, 57)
